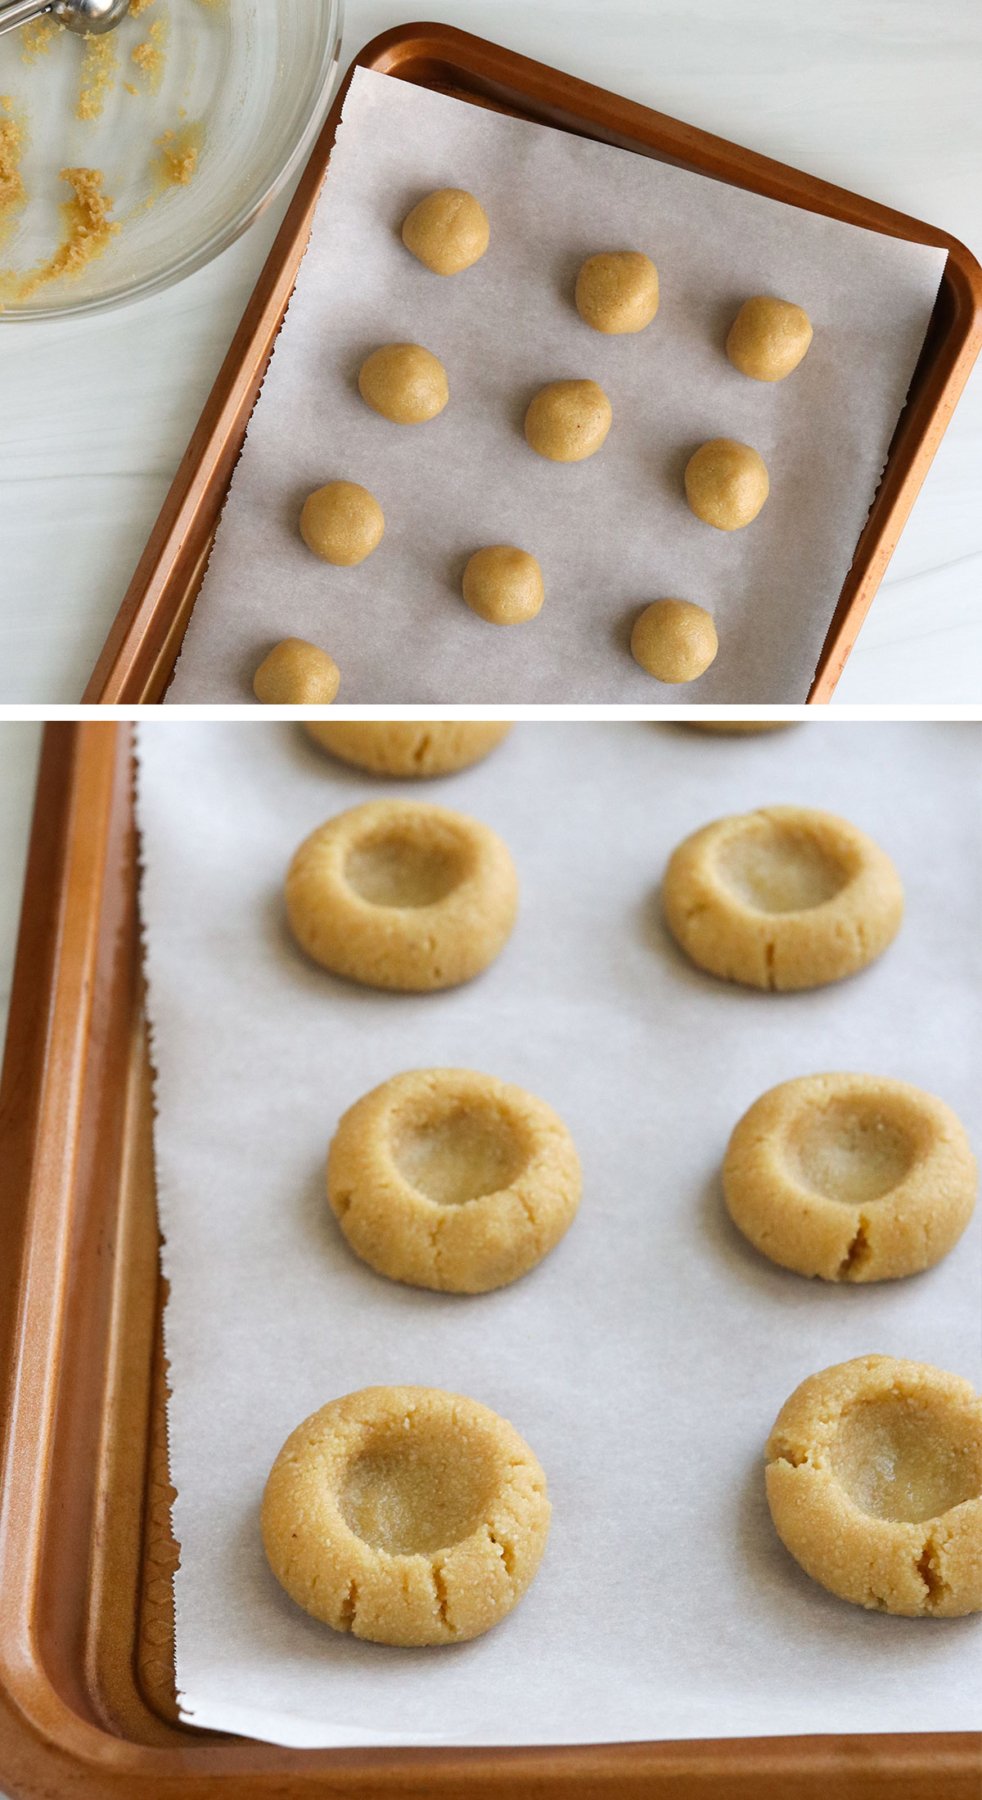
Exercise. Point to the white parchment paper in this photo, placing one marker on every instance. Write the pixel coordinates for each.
(646, 1359)
(611, 533)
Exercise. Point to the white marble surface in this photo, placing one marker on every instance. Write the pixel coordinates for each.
(19, 747)
(95, 414)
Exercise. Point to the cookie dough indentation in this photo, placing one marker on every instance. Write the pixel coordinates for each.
(452, 1180)
(850, 1177)
(398, 894)
(874, 1482)
(783, 898)
(408, 747)
(405, 1515)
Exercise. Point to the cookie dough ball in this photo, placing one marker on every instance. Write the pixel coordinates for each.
(874, 1481)
(503, 585)
(568, 420)
(850, 1177)
(785, 898)
(726, 484)
(768, 338)
(405, 383)
(405, 1515)
(399, 894)
(617, 291)
(296, 673)
(448, 231)
(674, 640)
(409, 747)
(447, 1179)
(342, 523)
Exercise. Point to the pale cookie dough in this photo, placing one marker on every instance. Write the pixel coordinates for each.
(296, 673)
(568, 420)
(874, 1481)
(447, 1179)
(783, 898)
(674, 640)
(448, 231)
(409, 747)
(405, 383)
(503, 585)
(406, 1515)
(617, 291)
(400, 894)
(342, 523)
(768, 338)
(726, 484)
(850, 1177)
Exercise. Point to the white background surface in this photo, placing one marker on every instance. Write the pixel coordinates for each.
(879, 98)
(647, 1357)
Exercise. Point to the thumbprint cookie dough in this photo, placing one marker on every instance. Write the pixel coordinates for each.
(448, 231)
(674, 640)
(296, 673)
(768, 338)
(726, 484)
(342, 523)
(784, 898)
(850, 1177)
(447, 1179)
(617, 292)
(405, 1515)
(874, 1481)
(399, 894)
(404, 383)
(568, 421)
(503, 585)
(409, 747)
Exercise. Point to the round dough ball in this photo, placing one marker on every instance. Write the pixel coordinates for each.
(568, 420)
(503, 585)
(726, 484)
(296, 673)
(674, 640)
(403, 895)
(342, 523)
(617, 291)
(782, 899)
(874, 1482)
(405, 383)
(448, 231)
(768, 338)
(405, 1515)
(409, 747)
(447, 1179)
(850, 1177)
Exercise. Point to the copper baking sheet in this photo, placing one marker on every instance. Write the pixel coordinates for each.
(138, 658)
(86, 1553)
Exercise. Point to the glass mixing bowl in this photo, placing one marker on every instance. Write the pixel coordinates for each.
(189, 137)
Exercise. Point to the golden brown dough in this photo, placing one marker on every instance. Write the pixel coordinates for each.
(726, 484)
(674, 640)
(405, 1515)
(400, 894)
(404, 383)
(850, 1177)
(768, 338)
(568, 420)
(874, 1481)
(448, 231)
(409, 747)
(447, 1179)
(783, 898)
(342, 523)
(503, 585)
(617, 291)
(296, 673)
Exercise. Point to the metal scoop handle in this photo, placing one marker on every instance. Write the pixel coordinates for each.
(78, 15)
